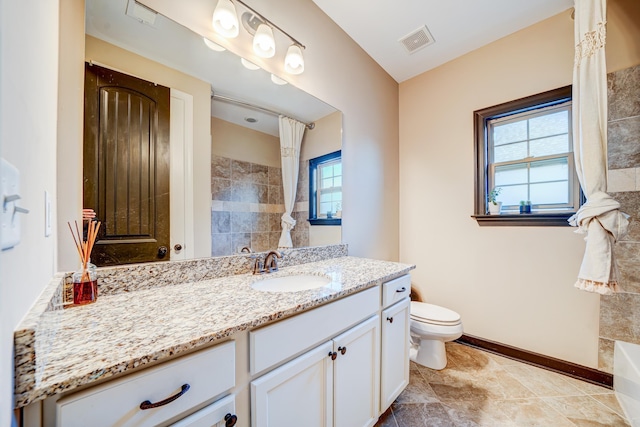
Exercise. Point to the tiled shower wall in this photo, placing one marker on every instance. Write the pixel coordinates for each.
(620, 313)
(247, 203)
(246, 206)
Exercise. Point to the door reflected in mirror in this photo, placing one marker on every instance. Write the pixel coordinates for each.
(226, 179)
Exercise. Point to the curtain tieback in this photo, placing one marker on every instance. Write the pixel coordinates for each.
(288, 222)
(605, 209)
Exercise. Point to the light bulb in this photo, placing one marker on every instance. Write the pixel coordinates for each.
(294, 61)
(263, 43)
(225, 19)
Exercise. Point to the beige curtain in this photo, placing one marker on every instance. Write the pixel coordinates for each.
(291, 133)
(600, 217)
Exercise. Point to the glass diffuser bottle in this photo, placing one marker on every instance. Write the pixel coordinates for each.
(85, 285)
(85, 280)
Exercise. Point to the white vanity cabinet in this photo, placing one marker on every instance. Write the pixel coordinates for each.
(336, 383)
(394, 367)
(158, 395)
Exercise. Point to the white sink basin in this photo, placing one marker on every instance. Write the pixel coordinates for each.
(301, 282)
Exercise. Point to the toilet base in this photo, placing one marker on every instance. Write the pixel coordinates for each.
(428, 353)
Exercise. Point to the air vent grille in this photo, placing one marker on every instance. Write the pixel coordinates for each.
(417, 39)
(141, 12)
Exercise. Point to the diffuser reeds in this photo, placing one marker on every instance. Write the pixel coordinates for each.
(83, 246)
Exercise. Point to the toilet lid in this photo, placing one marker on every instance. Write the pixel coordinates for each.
(431, 313)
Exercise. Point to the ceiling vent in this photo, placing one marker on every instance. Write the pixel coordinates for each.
(141, 12)
(417, 39)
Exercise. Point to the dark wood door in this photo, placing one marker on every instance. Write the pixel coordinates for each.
(126, 166)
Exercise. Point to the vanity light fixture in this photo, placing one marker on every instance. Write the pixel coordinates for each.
(225, 23)
(213, 46)
(225, 19)
(249, 65)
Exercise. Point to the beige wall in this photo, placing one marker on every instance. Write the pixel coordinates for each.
(325, 138)
(369, 103)
(513, 285)
(241, 143)
(112, 56)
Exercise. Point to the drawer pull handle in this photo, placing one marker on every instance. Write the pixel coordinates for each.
(402, 289)
(148, 405)
(342, 350)
(230, 420)
(390, 319)
(333, 355)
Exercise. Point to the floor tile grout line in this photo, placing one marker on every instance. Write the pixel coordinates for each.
(623, 416)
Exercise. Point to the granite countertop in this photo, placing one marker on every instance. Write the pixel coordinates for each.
(120, 332)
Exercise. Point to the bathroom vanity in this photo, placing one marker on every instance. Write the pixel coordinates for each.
(219, 352)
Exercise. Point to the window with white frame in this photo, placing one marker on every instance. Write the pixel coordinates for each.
(525, 149)
(325, 189)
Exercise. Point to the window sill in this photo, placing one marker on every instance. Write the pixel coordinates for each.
(325, 221)
(524, 220)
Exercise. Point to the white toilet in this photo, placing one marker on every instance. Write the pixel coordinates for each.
(432, 326)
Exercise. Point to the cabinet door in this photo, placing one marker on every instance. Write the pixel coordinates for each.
(357, 375)
(210, 416)
(394, 372)
(298, 393)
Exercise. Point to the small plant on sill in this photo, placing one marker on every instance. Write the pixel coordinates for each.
(493, 194)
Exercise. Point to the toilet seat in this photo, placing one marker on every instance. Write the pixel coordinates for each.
(433, 314)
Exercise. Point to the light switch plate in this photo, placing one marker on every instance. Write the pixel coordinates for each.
(9, 219)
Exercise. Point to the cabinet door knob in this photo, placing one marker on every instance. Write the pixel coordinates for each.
(230, 420)
(402, 289)
(333, 355)
(342, 350)
(148, 405)
(390, 319)
(177, 247)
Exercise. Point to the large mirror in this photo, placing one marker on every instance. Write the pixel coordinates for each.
(226, 185)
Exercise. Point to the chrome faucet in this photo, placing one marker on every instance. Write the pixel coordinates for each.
(269, 265)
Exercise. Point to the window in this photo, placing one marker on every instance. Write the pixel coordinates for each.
(525, 148)
(325, 189)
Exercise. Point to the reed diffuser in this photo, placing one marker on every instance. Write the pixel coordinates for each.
(85, 281)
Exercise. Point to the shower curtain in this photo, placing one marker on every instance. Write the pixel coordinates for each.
(291, 133)
(600, 217)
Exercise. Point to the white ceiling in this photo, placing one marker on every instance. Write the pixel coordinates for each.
(458, 27)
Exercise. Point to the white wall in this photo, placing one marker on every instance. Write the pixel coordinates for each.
(513, 285)
(28, 114)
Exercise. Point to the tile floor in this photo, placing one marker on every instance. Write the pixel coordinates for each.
(478, 388)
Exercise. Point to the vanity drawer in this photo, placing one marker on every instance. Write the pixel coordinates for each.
(395, 290)
(278, 342)
(208, 373)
